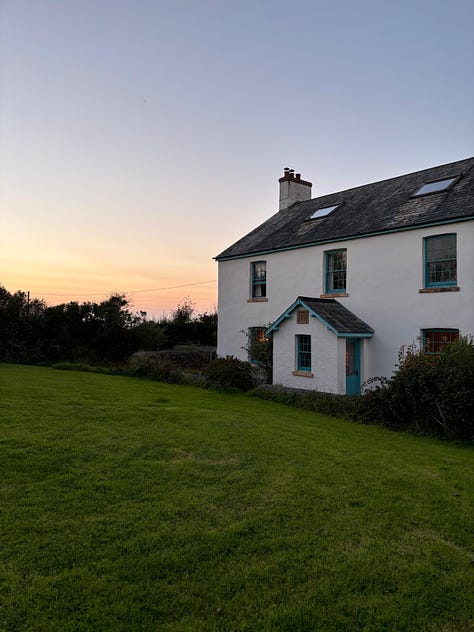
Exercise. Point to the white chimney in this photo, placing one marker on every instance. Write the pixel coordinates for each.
(293, 189)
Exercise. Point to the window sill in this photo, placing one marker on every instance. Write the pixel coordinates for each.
(302, 373)
(435, 290)
(257, 300)
(334, 295)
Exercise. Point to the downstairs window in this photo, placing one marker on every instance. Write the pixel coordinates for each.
(257, 348)
(303, 353)
(436, 340)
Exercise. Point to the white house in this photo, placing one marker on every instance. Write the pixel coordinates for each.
(342, 281)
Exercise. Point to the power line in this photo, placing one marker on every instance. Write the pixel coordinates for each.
(157, 289)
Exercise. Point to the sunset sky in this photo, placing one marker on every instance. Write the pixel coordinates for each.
(139, 138)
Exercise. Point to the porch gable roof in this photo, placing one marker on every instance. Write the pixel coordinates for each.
(337, 318)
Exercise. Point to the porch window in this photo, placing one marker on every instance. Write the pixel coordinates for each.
(440, 260)
(436, 340)
(336, 268)
(258, 274)
(303, 353)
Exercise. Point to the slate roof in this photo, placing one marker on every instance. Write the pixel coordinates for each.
(385, 206)
(339, 319)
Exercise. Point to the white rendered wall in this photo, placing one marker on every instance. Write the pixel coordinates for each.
(384, 275)
(328, 357)
(324, 356)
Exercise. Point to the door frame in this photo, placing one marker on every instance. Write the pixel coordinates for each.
(353, 386)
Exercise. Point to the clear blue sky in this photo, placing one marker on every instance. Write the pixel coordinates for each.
(141, 138)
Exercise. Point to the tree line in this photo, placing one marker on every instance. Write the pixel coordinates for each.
(94, 332)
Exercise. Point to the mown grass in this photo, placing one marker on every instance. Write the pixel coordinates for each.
(132, 505)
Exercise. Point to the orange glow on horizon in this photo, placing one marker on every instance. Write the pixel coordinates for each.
(155, 304)
(157, 295)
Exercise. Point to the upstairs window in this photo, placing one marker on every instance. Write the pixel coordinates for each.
(258, 272)
(436, 187)
(436, 340)
(303, 353)
(440, 260)
(336, 268)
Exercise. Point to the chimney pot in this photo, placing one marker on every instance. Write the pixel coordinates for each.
(298, 176)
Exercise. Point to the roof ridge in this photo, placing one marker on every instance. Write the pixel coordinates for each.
(317, 299)
(469, 169)
(403, 175)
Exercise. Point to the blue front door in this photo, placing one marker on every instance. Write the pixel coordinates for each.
(352, 366)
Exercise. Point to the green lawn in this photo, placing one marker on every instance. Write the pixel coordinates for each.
(132, 505)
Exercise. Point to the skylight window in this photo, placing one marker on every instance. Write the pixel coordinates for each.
(322, 212)
(435, 187)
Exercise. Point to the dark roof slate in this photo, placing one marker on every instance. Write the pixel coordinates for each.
(338, 317)
(335, 314)
(384, 206)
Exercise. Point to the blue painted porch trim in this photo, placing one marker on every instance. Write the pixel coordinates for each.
(345, 335)
(287, 314)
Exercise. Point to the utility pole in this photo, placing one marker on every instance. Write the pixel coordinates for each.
(28, 305)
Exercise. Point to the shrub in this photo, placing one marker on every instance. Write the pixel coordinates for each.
(429, 394)
(161, 369)
(187, 359)
(230, 373)
(90, 368)
(454, 407)
(345, 406)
